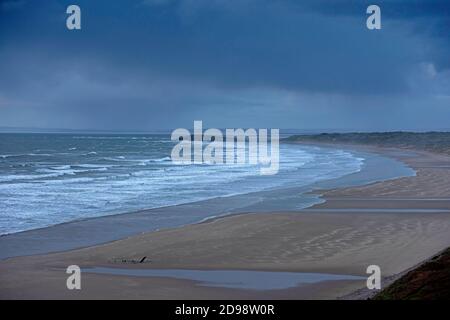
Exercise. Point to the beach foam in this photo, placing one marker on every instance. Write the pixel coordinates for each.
(114, 174)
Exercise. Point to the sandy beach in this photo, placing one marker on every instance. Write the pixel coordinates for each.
(395, 224)
(225, 150)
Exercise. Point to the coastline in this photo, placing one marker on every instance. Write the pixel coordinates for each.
(338, 242)
(103, 229)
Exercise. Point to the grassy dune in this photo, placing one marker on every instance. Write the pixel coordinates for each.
(429, 281)
(429, 141)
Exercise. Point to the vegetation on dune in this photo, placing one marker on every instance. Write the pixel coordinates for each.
(429, 141)
(429, 281)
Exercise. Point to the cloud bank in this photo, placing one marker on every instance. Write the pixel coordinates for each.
(157, 64)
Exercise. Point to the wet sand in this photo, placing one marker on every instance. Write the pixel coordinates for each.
(395, 224)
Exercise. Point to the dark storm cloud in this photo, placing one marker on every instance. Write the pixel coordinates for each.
(147, 63)
(428, 17)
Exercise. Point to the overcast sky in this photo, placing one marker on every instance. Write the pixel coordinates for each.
(161, 64)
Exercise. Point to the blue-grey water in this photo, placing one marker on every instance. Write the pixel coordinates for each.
(240, 279)
(47, 179)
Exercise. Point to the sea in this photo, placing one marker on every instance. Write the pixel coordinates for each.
(49, 179)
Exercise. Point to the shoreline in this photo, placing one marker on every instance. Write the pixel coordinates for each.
(102, 229)
(337, 243)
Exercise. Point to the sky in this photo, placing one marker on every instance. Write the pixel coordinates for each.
(143, 65)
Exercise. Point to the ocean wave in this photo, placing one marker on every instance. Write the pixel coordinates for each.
(57, 172)
(4, 156)
(74, 185)
(161, 159)
(16, 177)
(62, 167)
(93, 166)
(141, 162)
(114, 138)
(72, 170)
(69, 181)
(119, 158)
(147, 161)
